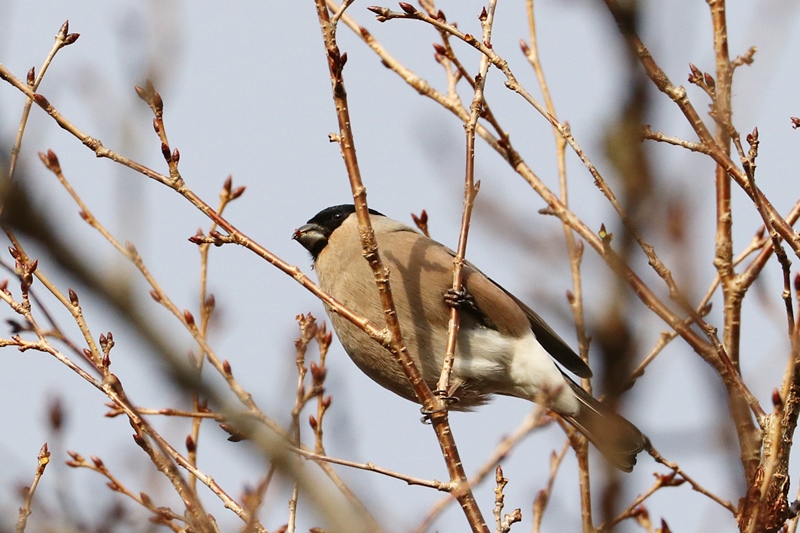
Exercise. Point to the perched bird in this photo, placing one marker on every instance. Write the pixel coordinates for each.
(502, 347)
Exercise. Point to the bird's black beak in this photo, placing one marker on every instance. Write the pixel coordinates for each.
(313, 237)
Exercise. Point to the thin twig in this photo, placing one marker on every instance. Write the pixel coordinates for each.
(43, 459)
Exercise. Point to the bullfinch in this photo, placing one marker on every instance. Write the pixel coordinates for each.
(503, 347)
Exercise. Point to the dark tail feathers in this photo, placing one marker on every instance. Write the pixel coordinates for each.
(616, 438)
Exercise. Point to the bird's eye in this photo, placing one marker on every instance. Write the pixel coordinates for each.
(338, 215)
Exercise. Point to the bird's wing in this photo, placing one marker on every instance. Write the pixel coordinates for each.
(551, 342)
(548, 338)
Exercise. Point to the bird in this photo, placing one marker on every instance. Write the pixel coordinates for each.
(503, 347)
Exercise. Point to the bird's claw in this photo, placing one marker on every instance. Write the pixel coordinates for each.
(460, 299)
(445, 397)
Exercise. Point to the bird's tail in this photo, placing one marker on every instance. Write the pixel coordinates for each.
(617, 439)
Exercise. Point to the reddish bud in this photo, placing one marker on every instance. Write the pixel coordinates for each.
(41, 101)
(440, 16)
(157, 102)
(75, 455)
(31, 77)
(777, 401)
(524, 47)
(228, 184)
(52, 161)
(97, 462)
(327, 402)
(154, 295)
(226, 367)
(312, 422)
(484, 15)
(795, 122)
(237, 192)
(441, 50)
(709, 80)
(191, 446)
(165, 152)
(210, 302)
(71, 38)
(408, 8)
(176, 155)
(694, 74)
(73, 298)
(188, 317)
(146, 501)
(63, 30)
(317, 372)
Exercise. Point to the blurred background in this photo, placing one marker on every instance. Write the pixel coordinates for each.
(247, 94)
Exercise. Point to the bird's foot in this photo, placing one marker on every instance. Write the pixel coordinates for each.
(462, 299)
(445, 397)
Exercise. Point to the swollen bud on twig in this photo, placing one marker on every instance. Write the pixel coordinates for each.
(31, 77)
(312, 422)
(165, 152)
(71, 38)
(50, 160)
(191, 446)
(73, 298)
(146, 501)
(695, 75)
(795, 122)
(226, 368)
(408, 8)
(63, 30)
(210, 303)
(484, 15)
(41, 101)
(188, 317)
(605, 235)
(777, 401)
(441, 50)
